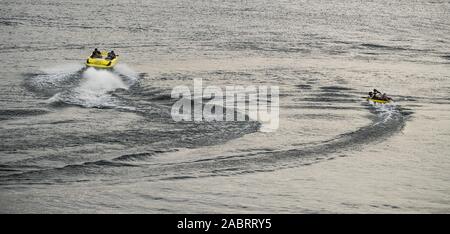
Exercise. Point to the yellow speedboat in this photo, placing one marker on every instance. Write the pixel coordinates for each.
(378, 100)
(102, 62)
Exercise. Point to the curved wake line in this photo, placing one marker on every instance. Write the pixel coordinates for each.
(387, 120)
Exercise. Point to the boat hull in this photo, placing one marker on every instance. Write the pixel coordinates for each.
(378, 101)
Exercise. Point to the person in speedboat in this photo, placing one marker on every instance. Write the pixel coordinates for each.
(111, 55)
(96, 54)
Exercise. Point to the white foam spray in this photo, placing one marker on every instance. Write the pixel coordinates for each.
(54, 77)
(93, 91)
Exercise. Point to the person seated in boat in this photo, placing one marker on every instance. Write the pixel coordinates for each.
(373, 95)
(111, 55)
(376, 92)
(96, 54)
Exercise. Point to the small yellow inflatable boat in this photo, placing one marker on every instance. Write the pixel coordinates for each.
(102, 62)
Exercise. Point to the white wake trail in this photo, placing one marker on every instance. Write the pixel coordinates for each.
(93, 90)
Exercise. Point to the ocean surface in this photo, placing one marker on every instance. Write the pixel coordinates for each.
(80, 140)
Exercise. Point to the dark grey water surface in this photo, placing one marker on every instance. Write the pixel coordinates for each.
(83, 140)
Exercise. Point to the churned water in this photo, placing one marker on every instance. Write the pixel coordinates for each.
(76, 139)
